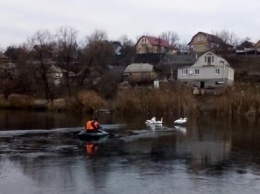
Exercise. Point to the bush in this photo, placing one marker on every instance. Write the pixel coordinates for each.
(88, 101)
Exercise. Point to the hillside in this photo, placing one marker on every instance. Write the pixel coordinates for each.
(247, 67)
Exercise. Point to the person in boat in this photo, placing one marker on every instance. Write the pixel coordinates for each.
(89, 126)
(96, 124)
(92, 125)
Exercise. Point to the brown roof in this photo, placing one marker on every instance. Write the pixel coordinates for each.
(210, 38)
(158, 42)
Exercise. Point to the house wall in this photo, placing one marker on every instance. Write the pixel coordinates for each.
(140, 76)
(211, 74)
(144, 46)
(204, 61)
(200, 43)
(257, 45)
(208, 76)
(230, 76)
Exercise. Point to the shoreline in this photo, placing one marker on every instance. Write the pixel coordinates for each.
(204, 105)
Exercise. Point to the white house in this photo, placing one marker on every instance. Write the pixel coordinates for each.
(209, 71)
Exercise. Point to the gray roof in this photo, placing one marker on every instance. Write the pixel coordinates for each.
(179, 59)
(139, 67)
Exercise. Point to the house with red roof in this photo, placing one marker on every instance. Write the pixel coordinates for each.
(149, 44)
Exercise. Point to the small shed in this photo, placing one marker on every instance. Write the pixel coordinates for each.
(140, 73)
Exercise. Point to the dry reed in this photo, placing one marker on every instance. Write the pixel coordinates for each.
(170, 99)
(241, 99)
(88, 101)
(20, 101)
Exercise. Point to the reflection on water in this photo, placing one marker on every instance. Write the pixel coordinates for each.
(207, 155)
(37, 120)
(183, 129)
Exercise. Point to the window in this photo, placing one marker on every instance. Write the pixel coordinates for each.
(217, 71)
(197, 71)
(200, 38)
(184, 71)
(209, 59)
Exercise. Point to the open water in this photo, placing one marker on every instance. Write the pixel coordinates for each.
(40, 153)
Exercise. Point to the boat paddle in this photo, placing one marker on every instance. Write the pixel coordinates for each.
(103, 131)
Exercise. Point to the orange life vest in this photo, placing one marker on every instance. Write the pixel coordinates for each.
(89, 125)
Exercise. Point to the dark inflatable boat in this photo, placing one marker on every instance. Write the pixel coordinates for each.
(86, 136)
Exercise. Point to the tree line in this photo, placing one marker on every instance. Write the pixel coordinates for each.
(87, 59)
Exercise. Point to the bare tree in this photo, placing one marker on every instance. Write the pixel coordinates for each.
(14, 52)
(170, 36)
(183, 48)
(21, 77)
(40, 43)
(96, 36)
(127, 49)
(97, 53)
(228, 37)
(67, 52)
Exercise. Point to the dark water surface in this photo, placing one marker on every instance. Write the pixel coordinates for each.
(39, 154)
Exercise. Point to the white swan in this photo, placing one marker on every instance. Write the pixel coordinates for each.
(181, 121)
(153, 121)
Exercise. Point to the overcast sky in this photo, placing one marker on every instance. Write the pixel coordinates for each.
(20, 19)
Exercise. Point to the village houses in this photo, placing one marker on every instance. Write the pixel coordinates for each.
(209, 70)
